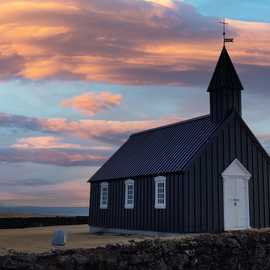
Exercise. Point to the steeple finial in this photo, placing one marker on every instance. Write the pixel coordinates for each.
(224, 23)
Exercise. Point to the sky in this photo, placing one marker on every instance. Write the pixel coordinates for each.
(77, 77)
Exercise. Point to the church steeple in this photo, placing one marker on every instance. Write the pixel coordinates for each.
(224, 89)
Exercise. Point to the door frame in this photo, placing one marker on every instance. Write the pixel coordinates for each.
(233, 172)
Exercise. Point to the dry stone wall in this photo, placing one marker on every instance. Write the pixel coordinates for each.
(26, 222)
(239, 251)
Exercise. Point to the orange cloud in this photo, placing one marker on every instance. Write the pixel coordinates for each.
(124, 41)
(252, 41)
(93, 103)
(44, 142)
(18, 33)
(166, 3)
(104, 130)
(30, 5)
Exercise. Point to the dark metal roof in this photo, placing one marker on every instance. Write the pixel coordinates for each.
(225, 75)
(156, 151)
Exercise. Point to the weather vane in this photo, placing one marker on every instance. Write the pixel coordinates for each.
(225, 40)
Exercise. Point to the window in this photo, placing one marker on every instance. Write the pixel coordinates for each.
(160, 192)
(129, 194)
(104, 193)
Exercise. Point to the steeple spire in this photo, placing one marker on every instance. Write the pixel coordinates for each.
(224, 89)
(225, 75)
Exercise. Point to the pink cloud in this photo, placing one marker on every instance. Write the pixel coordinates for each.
(114, 132)
(78, 189)
(93, 103)
(104, 130)
(120, 41)
(55, 151)
(265, 139)
(69, 193)
(58, 157)
(264, 136)
(43, 142)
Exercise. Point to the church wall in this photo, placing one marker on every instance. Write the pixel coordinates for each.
(233, 141)
(144, 216)
(194, 198)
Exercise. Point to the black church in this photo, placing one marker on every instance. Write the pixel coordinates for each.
(207, 174)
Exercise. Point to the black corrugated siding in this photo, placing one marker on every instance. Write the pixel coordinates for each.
(233, 141)
(223, 102)
(195, 198)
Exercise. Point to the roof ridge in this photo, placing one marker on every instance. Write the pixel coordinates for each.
(171, 125)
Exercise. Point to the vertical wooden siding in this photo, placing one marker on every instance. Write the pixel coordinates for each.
(222, 102)
(233, 141)
(195, 198)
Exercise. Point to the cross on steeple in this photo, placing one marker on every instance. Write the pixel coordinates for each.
(224, 23)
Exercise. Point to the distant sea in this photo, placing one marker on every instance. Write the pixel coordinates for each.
(44, 211)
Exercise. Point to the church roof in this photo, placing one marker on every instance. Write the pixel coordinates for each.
(225, 75)
(156, 151)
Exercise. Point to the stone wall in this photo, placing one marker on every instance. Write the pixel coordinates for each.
(241, 251)
(26, 222)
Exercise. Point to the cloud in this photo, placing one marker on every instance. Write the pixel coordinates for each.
(97, 41)
(93, 103)
(265, 137)
(265, 140)
(43, 142)
(124, 41)
(17, 6)
(11, 66)
(112, 132)
(49, 195)
(54, 150)
(165, 3)
(31, 182)
(58, 157)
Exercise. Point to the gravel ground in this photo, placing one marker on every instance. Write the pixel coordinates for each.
(39, 239)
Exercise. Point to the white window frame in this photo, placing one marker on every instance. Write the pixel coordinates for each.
(102, 186)
(158, 180)
(129, 182)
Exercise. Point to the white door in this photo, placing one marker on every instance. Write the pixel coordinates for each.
(236, 197)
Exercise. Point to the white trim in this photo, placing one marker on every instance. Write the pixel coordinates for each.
(129, 182)
(236, 168)
(234, 172)
(101, 203)
(158, 180)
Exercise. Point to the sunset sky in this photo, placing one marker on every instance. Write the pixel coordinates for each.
(79, 76)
